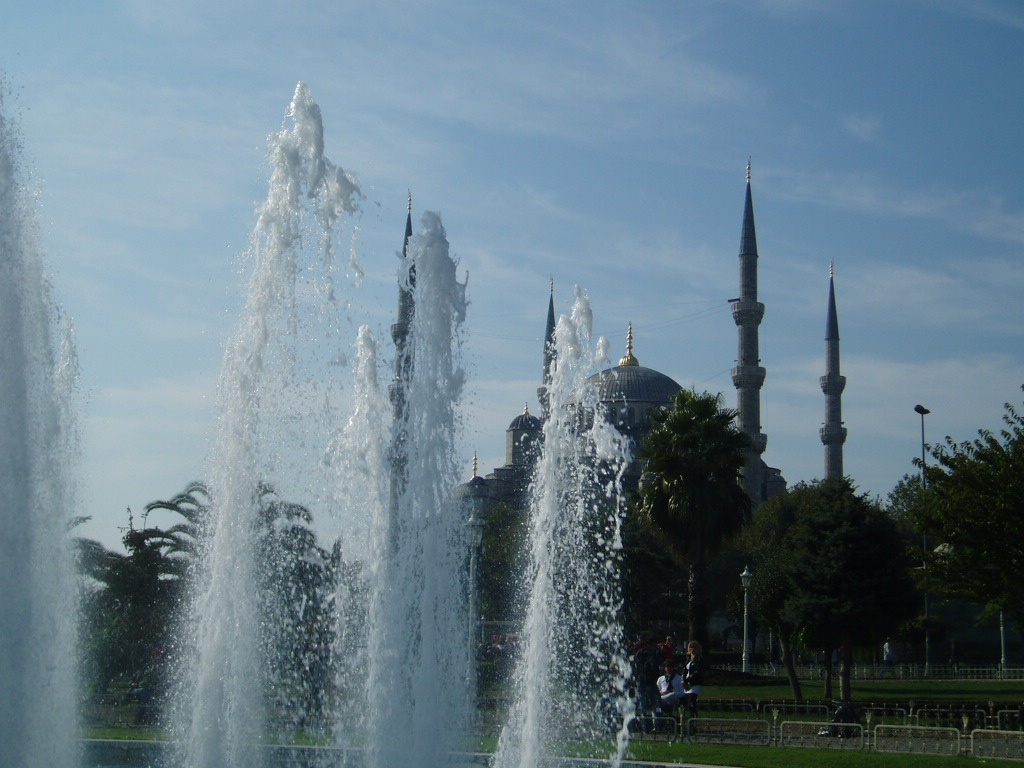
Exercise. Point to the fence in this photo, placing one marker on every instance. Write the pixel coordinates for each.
(964, 672)
(928, 730)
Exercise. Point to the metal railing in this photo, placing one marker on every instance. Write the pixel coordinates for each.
(966, 672)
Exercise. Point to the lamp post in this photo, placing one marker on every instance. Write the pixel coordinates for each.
(924, 545)
(745, 578)
(1002, 645)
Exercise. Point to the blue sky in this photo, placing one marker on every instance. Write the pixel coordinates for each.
(596, 143)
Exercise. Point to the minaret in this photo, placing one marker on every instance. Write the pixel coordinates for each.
(549, 354)
(403, 372)
(748, 375)
(406, 307)
(833, 434)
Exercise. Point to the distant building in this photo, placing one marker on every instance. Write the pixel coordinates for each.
(630, 392)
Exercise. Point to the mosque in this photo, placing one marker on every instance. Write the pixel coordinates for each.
(629, 392)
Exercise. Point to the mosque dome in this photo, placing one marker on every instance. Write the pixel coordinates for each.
(629, 392)
(526, 421)
(634, 384)
(631, 383)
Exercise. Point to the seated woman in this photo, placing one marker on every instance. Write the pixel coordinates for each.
(693, 677)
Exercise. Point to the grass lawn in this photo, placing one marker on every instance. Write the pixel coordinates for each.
(777, 757)
(864, 691)
(771, 757)
(690, 754)
(125, 733)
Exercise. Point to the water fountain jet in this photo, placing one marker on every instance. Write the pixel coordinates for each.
(411, 648)
(570, 680)
(38, 451)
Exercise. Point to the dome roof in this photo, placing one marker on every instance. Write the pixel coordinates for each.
(477, 486)
(526, 421)
(630, 382)
(634, 384)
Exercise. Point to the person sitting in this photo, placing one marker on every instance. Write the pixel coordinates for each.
(670, 687)
(693, 677)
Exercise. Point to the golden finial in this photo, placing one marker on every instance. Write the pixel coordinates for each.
(409, 209)
(526, 409)
(748, 170)
(474, 464)
(628, 359)
(831, 269)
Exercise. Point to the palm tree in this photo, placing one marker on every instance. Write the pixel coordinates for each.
(690, 494)
(182, 541)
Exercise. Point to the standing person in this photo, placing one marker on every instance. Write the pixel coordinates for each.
(645, 673)
(693, 676)
(667, 649)
(888, 657)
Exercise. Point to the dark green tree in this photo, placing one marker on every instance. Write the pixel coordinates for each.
(763, 543)
(902, 504)
(845, 578)
(502, 560)
(973, 515)
(690, 494)
(653, 585)
(130, 602)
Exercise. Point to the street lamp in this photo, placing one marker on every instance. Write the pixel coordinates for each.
(924, 545)
(745, 578)
(1002, 645)
(923, 411)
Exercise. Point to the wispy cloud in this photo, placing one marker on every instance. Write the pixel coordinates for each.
(976, 210)
(863, 127)
(1004, 14)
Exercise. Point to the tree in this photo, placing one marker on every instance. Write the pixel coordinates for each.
(183, 540)
(502, 561)
(843, 577)
(763, 544)
(646, 561)
(294, 580)
(973, 516)
(130, 604)
(690, 494)
(902, 503)
(133, 599)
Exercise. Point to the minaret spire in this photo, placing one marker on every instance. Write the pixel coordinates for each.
(549, 353)
(833, 434)
(404, 356)
(748, 375)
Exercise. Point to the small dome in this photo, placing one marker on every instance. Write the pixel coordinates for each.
(526, 421)
(475, 488)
